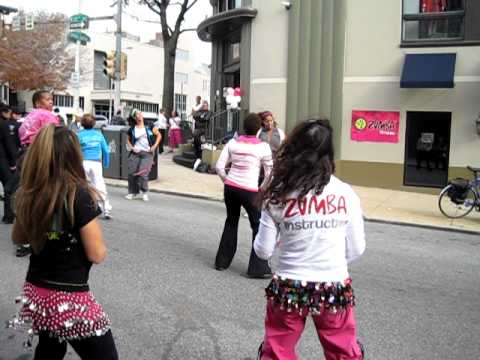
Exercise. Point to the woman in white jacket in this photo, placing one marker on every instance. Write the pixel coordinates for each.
(315, 221)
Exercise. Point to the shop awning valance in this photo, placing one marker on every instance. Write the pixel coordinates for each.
(428, 71)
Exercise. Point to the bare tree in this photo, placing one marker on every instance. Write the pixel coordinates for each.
(39, 58)
(170, 40)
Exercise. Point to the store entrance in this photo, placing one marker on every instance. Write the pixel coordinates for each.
(427, 148)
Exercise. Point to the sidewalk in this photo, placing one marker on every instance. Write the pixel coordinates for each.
(378, 204)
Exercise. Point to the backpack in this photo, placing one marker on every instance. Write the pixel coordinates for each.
(458, 191)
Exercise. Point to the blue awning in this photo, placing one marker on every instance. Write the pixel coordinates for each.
(428, 71)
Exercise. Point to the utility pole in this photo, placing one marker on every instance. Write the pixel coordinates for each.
(76, 98)
(118, 54)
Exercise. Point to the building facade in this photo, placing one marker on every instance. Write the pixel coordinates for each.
(399, 80)
(143, 86)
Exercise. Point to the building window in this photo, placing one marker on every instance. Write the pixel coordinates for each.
(4, 92)
(440, 20)
(182, 55)
(181, 78)
(231, 53)
(143, 106)
(63, 100)
(225, 5)
(81, 102)
(181, 103)
(205, 85)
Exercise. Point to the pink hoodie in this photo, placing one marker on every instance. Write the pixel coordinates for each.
(34, 122)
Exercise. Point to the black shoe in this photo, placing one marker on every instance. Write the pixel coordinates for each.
(362, 349)
(260, 276)
(7, 220)
(23, 251)
(220, 268)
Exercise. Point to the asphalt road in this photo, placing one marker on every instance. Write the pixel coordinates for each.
(417, 290)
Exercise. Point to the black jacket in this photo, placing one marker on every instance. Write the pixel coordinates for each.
(8, 148)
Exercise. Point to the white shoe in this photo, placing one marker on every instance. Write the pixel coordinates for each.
(145, 197)
(197, 162)
(107, 215)
(130, 196)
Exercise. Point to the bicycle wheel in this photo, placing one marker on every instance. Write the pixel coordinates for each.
(453, 210)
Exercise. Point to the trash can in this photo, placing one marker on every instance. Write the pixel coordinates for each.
(113, 136)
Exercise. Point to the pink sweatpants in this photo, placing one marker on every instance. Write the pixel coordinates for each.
(336, 333)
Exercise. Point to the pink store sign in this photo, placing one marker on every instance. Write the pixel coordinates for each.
(375, 126)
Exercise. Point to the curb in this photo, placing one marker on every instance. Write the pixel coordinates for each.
(372, 220)
(423, 226)
(174, 193)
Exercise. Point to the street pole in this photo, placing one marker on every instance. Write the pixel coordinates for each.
(76, 98)
(118, 54)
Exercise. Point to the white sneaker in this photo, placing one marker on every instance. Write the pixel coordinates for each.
(145, 197)
(130, 196)
(197, 162)
(107, 215)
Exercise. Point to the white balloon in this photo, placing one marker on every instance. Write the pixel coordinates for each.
(238, 98)
(230, 99)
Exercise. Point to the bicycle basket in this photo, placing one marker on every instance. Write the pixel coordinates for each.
(458, 192)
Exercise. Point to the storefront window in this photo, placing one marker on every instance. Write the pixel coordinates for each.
(431, 20)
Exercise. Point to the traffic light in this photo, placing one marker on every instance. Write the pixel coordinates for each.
(109, 64)
(29, 22)
(123, 66)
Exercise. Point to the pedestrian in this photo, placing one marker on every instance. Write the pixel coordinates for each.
(40, 116)
(95, 153)
(161, 125)
(143, 142)
(198, 105)
(269, 132)
(315, 222)
(14, 125)
(56, 112)
(175, 133)
(76, 124)
(8, 153)
(202, 119)
(118, 119)
(57, 215)
(246, 154)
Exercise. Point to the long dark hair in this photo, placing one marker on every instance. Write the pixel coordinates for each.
(51, 173)
(303, 163)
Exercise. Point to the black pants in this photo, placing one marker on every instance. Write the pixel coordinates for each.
(162, 142)
(11, 187)
(5, 172)
(234, 199)
(197, 142)
(92, 348)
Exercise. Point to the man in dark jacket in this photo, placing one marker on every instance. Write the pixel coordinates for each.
(8, 149)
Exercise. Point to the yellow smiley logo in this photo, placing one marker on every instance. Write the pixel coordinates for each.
(360, 124)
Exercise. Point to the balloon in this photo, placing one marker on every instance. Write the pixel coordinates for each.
(237, 99)
(237, 91)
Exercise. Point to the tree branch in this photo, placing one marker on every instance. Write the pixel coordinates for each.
(185, 30)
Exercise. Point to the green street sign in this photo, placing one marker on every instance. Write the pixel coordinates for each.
(79, 22)
(75, 36)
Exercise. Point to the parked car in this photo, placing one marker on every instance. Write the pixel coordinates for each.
(101, 121)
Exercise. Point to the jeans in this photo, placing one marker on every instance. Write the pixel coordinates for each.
(235, 198)
(92, 348)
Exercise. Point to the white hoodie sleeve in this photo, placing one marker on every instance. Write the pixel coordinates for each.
(266, 239)
(355, 239)
(222, 162)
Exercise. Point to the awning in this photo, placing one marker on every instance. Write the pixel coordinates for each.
(428, 71)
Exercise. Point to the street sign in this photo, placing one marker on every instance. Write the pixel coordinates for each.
(79, 22)
(75, 78)
(75, 36)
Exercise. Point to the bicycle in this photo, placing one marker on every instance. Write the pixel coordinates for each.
(460, 196)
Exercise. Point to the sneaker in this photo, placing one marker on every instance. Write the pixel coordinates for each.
(130, 196)
(23, 250)
(107, 215)
(195, 165)
(145, 197)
